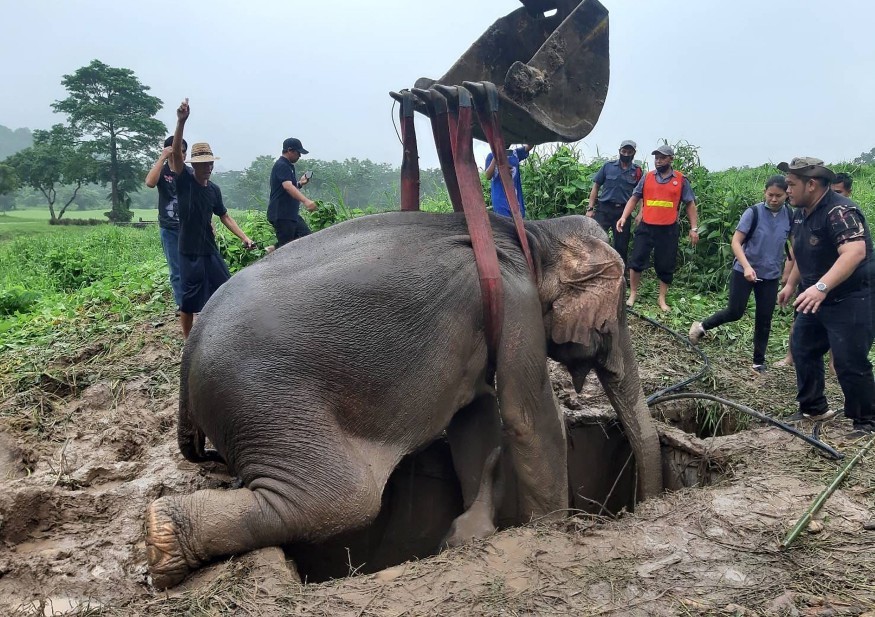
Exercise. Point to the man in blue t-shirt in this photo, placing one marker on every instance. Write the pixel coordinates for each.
(286, 196)
(499, 199)
(164, 179)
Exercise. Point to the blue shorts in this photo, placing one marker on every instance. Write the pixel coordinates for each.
(201, 276)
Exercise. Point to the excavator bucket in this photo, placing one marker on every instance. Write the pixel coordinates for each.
(549, 60)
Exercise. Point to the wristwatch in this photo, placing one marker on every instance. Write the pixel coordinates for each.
(821, 286)
(695, 229)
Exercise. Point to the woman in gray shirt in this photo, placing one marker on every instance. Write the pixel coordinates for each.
(758, 244)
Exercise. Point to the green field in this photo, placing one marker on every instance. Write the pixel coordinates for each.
(35, 221)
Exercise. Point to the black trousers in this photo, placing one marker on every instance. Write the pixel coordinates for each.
(662, 240)
(607, 215)
(288, 230)
(765, 294)
(846, 327)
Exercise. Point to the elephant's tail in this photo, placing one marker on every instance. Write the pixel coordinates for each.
(190, 438)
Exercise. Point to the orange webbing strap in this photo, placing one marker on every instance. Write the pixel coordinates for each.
(410, 158)
(485, 96)
(438, 112)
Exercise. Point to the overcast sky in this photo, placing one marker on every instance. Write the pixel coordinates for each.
(748, 81)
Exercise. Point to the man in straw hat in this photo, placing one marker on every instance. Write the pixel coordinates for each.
(833, 258)
(201, 267)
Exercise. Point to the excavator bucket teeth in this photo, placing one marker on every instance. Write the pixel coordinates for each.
(550, 62)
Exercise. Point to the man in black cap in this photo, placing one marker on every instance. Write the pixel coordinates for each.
(662, 192)
(833, 258)
(286, 196)
(616, 179)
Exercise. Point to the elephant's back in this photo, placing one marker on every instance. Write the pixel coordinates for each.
(361, 319)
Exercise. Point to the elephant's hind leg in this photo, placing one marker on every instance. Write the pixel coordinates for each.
(185, 532)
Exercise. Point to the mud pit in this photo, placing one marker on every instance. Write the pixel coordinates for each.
(92, 442)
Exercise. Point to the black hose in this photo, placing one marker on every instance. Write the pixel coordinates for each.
(706, 363)
(751, 412)
(664, 395)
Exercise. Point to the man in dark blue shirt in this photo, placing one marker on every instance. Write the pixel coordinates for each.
(832, 250)
(616, 179)
(286, 197)
(164, 179)
(499, 199)
(201, 267)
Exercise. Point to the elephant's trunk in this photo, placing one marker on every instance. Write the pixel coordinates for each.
(627, 397)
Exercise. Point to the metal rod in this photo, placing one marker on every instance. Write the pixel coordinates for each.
(802, 523)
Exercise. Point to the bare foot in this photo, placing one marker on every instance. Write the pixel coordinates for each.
(630, 301)
(788, 361)
(665, 308)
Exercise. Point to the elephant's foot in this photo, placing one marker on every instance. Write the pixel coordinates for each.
(475, 524)
(167, 562)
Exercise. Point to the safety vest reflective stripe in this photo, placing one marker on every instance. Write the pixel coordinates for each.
(658, 203)
(661, 200)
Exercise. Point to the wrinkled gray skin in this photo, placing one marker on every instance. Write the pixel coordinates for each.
(314, 371)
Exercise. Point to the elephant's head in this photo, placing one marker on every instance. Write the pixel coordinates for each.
(582, 291)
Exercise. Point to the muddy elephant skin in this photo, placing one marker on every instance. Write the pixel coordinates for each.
(314, 371)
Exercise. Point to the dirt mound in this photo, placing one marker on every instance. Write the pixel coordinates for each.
(82, 457)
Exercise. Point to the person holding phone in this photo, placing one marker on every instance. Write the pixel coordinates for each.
(499, 199)
(758, 245)
(283, 210)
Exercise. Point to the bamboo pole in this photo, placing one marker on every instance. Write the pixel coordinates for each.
(802, 523)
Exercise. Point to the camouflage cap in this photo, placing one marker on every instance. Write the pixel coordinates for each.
(807, 167)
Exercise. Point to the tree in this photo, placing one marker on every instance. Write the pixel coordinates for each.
(56, 158)
(255, 182)
(8, 183)
(112, 107)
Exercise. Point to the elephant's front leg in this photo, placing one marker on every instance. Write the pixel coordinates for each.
(534, 428)
(474, 436)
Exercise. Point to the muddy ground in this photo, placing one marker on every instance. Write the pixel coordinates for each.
(87, 441)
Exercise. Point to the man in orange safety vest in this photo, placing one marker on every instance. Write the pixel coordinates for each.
(662, 191)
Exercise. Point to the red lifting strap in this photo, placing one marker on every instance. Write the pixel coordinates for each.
(438, 113)
(479, 228)
(410, 159)
(485, 96)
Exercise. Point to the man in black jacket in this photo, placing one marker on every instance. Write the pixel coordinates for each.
(833, 260)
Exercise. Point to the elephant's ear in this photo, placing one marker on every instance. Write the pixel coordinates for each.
(586, 309)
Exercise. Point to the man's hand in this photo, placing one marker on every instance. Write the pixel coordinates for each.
(248, 244)
(750, 274)
(638, 218)
(590, 212)
(183, 111)
(785, 295)
(621, 222)
(304, 181)
(310, 205)
(165, 153)
(694, 237)
(809, 300)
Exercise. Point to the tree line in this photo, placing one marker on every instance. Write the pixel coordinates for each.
(109, 140)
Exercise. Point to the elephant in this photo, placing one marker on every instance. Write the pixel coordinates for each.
(315, 370)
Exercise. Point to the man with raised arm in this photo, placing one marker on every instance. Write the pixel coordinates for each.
(201, 267)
